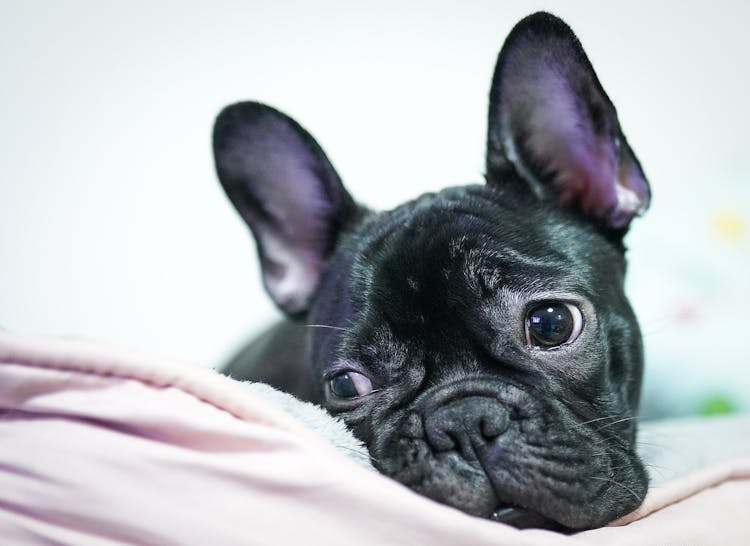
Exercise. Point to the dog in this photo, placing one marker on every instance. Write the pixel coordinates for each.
(477, 339)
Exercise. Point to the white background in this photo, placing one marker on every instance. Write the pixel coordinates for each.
(113, 226)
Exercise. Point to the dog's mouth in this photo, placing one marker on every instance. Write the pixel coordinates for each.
(522, 518)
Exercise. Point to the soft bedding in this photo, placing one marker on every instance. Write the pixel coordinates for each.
(104, 447)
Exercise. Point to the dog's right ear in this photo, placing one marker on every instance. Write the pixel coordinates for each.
(288, 193)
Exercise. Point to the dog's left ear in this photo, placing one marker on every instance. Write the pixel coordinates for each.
(552, 124)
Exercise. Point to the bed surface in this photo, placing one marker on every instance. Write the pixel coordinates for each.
(105, 446)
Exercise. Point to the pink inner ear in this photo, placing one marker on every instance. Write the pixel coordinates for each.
(564, 150)
(587, 173)
(633, 195)
(294, 242)
(291, 273)
(563, 143)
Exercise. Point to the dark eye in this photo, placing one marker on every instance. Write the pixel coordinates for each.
(350, 385)
(551, 324)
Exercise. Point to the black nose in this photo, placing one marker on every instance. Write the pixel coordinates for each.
(466, 425)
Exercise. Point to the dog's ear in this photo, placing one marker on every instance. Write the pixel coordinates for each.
(287, 191)
(552, 124)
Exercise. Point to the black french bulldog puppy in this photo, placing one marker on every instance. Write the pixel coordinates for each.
(477, 339)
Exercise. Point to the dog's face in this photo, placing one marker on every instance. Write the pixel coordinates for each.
(477, 339)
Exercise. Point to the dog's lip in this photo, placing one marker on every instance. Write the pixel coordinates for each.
(522, 518)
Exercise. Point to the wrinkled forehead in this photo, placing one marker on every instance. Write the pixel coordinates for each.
(448, 244)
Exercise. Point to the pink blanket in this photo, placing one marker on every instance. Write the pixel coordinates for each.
(98, 446)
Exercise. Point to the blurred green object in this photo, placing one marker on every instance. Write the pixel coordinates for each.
(717, 404)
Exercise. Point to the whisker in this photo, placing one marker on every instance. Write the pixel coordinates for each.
(612, 439)
(659, 445)
(658, 325)
(353, 450)
(597, 419)
(660, 469)
(634, 418)
(625, 487)
(326, 326)
(657, 331)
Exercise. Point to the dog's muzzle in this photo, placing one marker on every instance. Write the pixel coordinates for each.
(500, 451)
(469, 425)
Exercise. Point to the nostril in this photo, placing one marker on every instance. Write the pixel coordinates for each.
(465, 423)
(440, 430)
(494, 424)
(440, 440)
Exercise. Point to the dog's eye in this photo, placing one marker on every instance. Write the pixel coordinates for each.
(551, 324)
(350, 385)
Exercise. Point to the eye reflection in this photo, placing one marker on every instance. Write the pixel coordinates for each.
(551, 324)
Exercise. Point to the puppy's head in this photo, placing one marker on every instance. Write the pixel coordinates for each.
(477, 339)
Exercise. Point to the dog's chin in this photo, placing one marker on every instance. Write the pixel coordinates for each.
(564, 483)
(526, 519)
